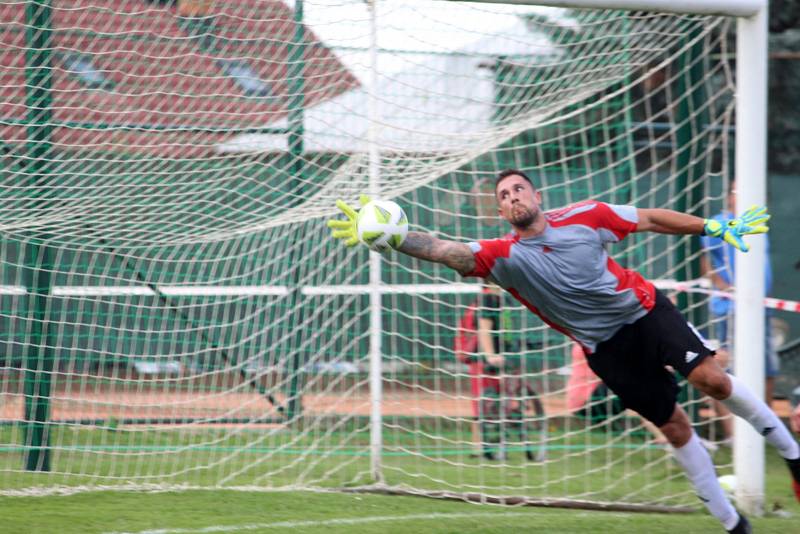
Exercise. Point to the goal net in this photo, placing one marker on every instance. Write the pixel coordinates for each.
(175, 315)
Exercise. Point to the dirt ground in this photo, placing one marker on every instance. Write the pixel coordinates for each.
(103, 405)
(227, 405)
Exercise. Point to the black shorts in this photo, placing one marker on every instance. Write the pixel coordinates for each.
(632, 363)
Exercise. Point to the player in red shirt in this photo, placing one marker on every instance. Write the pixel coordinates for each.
(469, 351)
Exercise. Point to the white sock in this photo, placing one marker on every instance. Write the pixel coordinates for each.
(698, 466)
(743, 403)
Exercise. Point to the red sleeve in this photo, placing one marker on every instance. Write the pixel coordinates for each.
(619, 220)
(486, 253)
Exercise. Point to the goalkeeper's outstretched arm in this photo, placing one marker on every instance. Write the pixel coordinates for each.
(665, 221)
(752, 221)
(457, 256)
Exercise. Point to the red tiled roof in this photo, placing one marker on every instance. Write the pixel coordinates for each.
(161, 74)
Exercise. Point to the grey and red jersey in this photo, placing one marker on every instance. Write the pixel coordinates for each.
(566, 277)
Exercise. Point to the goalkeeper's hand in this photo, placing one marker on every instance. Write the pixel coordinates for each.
(752, 221)
(347, 230)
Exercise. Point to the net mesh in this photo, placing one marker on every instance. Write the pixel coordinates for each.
(173, 313)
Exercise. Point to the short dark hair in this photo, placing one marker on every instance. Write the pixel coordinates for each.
(502, 175)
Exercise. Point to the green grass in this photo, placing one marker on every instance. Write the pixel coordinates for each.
(229, 511)
(582, 465)
(279, 459)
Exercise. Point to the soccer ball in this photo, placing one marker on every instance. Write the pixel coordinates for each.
(728, 484)
(382, 225)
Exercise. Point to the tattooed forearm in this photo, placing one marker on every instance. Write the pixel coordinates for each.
(418, 245)
(457, 256)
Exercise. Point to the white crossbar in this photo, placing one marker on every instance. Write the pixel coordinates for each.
(730, 8)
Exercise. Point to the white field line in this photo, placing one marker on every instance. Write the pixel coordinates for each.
(331, 522)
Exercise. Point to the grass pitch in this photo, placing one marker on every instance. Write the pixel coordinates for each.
(213, 511)
(231, 511)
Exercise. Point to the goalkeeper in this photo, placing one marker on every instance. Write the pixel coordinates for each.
(557, 266)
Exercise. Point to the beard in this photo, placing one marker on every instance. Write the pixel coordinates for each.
(522, 216)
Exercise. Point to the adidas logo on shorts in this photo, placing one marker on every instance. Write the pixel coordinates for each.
(691, 356)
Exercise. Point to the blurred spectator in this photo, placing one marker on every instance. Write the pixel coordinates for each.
(468, 352)
(718, 263)
(506, 396)
(493, 338)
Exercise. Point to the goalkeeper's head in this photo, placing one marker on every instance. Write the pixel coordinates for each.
(518, 201)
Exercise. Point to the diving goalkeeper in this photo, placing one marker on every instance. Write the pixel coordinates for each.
(556, 265)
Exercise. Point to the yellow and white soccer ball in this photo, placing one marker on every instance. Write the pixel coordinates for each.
(728, 484)
(381, 224)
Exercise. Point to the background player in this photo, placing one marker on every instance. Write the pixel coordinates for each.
(719, 264)
(472, 338)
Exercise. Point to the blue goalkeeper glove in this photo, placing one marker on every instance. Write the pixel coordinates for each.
(347, 230)
(750, 222)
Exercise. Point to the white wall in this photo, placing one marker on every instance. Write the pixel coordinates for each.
(433, 90)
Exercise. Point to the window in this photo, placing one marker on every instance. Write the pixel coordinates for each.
(80, 66)
(245, 77)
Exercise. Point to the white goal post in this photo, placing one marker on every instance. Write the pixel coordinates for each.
(751, 173)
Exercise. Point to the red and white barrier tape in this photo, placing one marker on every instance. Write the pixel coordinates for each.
(703, 286)
(700, 285)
